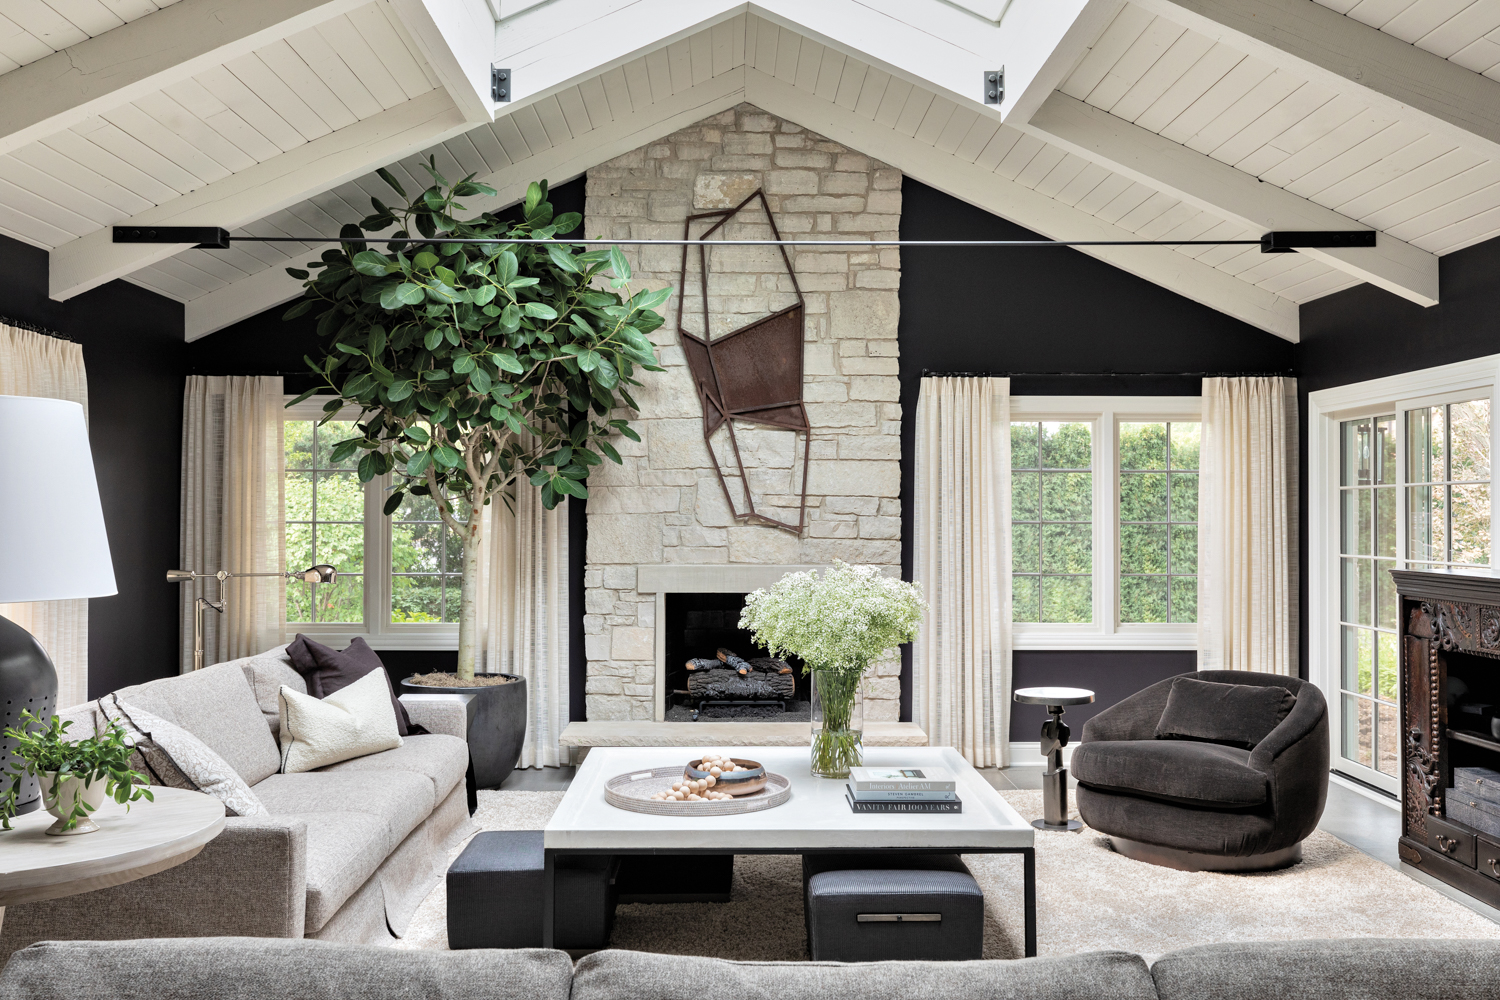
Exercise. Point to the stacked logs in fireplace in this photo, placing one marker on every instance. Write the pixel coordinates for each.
(729, 679)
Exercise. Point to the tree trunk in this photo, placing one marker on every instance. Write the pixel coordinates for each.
(468, 615)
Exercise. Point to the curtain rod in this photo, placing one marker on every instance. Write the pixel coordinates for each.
(928, 373)
(21, 324)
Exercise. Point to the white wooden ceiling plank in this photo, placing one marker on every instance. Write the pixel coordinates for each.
(747, 39)
(469, 160)
(739, 46)
(680, 64)
(1420, 19)
(574, 111)
(1473, 22)
(1260, 99)
(1212, 255)
(489, 147)
(194, 130)
(1305, 270)
(788, 51)
(658, 75)
(1061, 175)
(701, 49)
(46, 210)
(809, 62)
(101, 133)
(934, 120)
(1148, 211)
(511, 139)
(1361, 156)
(1236, 260)
(320, 57)
(19, 45)
(1140, 57)
(266, 254)
(49, 161)
(1102, 194)
(1319, 286)
(1320, 123)
(617, 92)
(7, 64)
(101, 162)
(998, 148)
(42, 184)
(1108, 50)
(639, 80)
(762, 38)
(1174, 215)
(915, 108)
(355, 53)
(726, 54)
(830, 72)
(1022, 153)
(290, 67)
(374, 24)
(1334, 142)
(1412, 157)
(273, 92)
(959, 125)
(89, 16)
(862, 88)
(1132, 197)
(46, 25)
(1214, 65)
(1475, 229)
(1436, 172)
(196, 98)
(1376, 13)
(141, 126)
(215, 266)
(1481, 56)
(1079, 187)
(1398, 216)
(1267, 266)
(1181, 56)
(530, 124)
(447, 164)
(189, 274)
(1190, 227)
(173, 287)
(129, 10)
(311, 218)
(550, 113)
(981, 131)
(1233, 86)
(893, 101)
(1466, 205)
(595, 102)
(249, 108)
(1042, 164)
(1287, 113)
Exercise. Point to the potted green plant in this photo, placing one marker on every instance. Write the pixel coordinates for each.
(75, 775)
(839, 622)
(475, 366)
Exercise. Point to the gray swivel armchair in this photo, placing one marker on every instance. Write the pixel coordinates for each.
(1239, 793)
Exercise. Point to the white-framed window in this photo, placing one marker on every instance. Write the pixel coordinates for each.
(399, 576)
(1104, 510)
(1398, 478)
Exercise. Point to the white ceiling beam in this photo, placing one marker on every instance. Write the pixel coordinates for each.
(1325, 47)
(1041, 42)
(143, 56)
(1174, 271)
(564, 161)
(257, 191)
(1205, 182)
(457, 38)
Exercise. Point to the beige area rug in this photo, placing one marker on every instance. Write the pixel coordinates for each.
(1088, 898)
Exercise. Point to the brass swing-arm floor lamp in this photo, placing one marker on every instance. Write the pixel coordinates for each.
(321, 573)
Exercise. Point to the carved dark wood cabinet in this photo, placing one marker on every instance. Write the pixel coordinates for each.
(1450, 693)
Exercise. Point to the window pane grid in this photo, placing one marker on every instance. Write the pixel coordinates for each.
(1158, 494)
(324, 519)
(1052, 521)
(426, 564)
(1448, 485)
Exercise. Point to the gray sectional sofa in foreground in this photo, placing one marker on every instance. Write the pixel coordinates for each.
(260, 969)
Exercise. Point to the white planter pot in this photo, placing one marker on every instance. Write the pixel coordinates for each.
(58, 798)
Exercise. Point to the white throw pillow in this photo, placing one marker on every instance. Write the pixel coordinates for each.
(200, 768)
(352, 722)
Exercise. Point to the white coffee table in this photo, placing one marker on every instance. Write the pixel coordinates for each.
(817, 819)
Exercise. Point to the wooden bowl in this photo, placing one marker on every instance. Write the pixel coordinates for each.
(739, 782)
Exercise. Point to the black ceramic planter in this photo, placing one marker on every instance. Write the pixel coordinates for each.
(497, 726)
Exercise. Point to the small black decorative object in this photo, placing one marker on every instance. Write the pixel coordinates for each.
(27, 681)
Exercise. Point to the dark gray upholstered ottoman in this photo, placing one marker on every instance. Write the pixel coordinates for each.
(495, 894)
(887, 907)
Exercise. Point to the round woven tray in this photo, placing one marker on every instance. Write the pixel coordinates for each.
(633, 791)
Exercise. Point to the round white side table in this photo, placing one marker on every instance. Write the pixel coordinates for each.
(151, 837)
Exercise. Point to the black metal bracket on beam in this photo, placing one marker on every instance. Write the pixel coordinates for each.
(202, 237)
(500, 84)
(994, 85)
(1289, 242)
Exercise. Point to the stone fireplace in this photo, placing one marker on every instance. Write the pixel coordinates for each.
(660, 523)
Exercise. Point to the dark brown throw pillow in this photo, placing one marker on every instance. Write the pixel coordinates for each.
(1236, 715)
(327, 670)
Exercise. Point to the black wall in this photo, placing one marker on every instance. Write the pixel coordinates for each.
(1033, 313)
(133, 350)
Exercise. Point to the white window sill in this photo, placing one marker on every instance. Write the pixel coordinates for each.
(1152, 640)
(437, 640)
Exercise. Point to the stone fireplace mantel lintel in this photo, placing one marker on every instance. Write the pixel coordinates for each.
(720, 578)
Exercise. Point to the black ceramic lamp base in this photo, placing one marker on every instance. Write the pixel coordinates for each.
(27, 681)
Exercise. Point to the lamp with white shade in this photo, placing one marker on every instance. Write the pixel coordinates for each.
(52, 546)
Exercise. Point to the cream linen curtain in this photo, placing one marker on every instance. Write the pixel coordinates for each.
(962, 657)
(33, 364)
(1247, 556)
(233, 470)
(523, 613)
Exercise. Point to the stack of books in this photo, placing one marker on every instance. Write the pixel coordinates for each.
(903, 790)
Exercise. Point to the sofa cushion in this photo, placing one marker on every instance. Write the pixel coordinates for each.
(352, 722)
(266, 675)
(329, 670)
(400, 802)
(632, 975)
(1236, 715)
(175, 758)
(1201, 774)
(232, 968)
(443, 759)
(216, 705)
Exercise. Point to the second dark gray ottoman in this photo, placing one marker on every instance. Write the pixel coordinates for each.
(495, 891)
(930, 910)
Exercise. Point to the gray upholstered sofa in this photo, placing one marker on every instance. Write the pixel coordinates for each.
(246, 969)
(346, 854)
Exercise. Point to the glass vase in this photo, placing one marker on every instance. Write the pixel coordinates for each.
(837, 722)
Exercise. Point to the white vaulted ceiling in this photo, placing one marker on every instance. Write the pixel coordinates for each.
(1159, 119)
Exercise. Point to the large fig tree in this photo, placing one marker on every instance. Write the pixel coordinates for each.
(475, 365)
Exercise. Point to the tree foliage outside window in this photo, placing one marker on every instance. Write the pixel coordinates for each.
(1052, 541)
(1159, 522)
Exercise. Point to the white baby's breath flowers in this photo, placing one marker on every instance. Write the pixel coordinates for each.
(843, 620)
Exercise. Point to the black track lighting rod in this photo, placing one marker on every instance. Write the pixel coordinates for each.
(218, 238)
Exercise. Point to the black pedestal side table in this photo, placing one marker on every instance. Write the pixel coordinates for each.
(1054, 738)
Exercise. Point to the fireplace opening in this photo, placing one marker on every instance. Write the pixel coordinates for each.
(741, 683)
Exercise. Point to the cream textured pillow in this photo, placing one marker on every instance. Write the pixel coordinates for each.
(175, 758)
(352, 722)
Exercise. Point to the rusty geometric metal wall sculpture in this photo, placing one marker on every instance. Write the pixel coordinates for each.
(751, 374)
